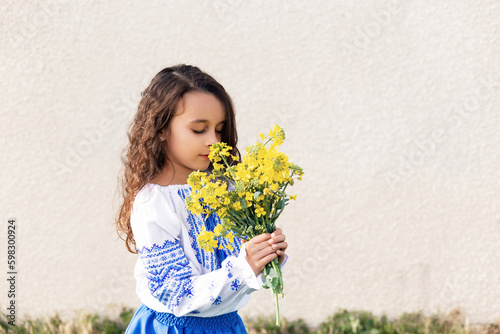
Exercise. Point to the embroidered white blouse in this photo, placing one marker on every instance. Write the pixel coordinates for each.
(173, 274)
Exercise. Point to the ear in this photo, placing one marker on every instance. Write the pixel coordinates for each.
(163, 134)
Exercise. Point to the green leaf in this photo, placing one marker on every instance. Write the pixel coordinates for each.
(272, 278)
(252, 221)
(281, 204)
(256, 195)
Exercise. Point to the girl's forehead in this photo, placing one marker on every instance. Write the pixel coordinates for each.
(201, 106)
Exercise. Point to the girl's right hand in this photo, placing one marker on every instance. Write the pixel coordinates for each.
(259, 252)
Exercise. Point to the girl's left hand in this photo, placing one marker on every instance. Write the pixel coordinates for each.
(278, 243)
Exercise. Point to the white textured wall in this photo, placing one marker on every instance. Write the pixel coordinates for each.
(391, 107)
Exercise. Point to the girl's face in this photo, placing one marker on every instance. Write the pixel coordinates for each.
(196, 126)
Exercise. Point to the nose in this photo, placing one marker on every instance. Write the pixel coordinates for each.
(212, 138)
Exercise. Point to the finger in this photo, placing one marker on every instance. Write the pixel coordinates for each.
(265, 260)
(255, 248)
(261, 237)
(264, 252)
(281, 245)
(277, 239)
(281, 257)
(277, 232)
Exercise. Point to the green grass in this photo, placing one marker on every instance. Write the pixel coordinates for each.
(363, 322)
(85, 324)
(341, 322)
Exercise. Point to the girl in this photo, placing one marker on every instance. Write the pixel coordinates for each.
(184, 289)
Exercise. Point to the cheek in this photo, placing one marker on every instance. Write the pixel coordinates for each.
(175, 146)
(219, 137)
(179, 139)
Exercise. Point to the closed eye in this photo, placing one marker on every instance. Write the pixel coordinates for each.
(201, 131)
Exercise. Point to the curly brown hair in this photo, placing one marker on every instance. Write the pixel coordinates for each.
(145, 156)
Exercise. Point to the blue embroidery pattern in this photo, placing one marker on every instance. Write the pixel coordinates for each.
(235, 284)
(209, 260)
(229, 266)
(195, 224)
(189, 291)
(218, 301)
(168, 272)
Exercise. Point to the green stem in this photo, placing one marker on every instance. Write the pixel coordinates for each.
(277, 311)
(277, 266)
(227, 166)
(279, 287)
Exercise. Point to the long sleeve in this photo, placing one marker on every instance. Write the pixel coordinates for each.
(173, 274)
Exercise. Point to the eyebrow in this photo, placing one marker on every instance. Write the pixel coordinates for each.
(204, 121)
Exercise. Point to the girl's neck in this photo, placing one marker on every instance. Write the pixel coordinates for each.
(166, 178)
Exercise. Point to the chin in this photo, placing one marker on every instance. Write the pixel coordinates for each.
(204, 167)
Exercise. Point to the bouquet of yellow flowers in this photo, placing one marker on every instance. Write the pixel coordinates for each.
(248, 196)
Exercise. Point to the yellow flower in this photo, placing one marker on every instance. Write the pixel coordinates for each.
(256, 178)
(219, 149)
(195, 180)
(218, 230)
(237, 206)
(230, 236)
(206, 240)
(259, 211)
(249, 197)
(217, 166)
(277, 134)
(293, 197)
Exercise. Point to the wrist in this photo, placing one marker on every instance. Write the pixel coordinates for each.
(255, 270)
(248, 275)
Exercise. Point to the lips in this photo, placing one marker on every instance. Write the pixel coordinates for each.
(204, 156)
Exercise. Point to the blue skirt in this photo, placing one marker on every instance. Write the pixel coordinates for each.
(147, 321)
